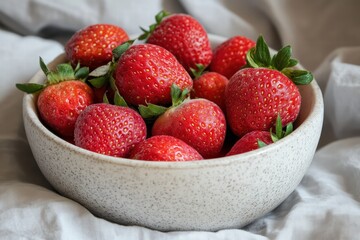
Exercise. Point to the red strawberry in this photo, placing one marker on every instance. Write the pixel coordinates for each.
(60, 104)
(92, 46)
(250, 141)
(256, 139)
(211, 86)
(164, 148)
(109, 129)
(183, 36)
(198, 122)
(62, 98)
(256, 96)
(230, 56)
(145, 73)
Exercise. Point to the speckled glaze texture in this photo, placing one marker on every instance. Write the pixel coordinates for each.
(214, 194)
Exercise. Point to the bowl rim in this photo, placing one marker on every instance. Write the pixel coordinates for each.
(29, 111)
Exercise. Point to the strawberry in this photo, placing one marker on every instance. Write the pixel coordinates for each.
(164, 148)
(62, 98)
(92, 46)
(257, 139)
(109, 129)
(250, 141)
(145, 73)
(230, 56)
(60, 104)
(198, 122)
(103, 91)
(210, 85)
(183, 36)
(255, 96)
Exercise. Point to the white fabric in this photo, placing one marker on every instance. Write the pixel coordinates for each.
(325, 37)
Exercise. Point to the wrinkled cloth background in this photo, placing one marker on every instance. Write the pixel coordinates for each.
(325, 37)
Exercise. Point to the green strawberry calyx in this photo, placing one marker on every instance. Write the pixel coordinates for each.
(103, 75)
(106, 77)
(280, 131)
(151, 111)
(158, 18)
(119, 50)
(259, 56)
(199, 71)
(63, 72)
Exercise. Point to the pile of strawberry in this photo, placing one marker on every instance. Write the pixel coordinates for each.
(167, 96)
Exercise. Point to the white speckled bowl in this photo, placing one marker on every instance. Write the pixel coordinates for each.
(215, 194)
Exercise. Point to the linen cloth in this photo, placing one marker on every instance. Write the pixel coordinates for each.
(325, 38)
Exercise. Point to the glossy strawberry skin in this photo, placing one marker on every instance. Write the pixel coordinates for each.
(211, 86)
(109, 129)
(92, 46)
(249, 142)
(100, 92)
(164, 148)
(60, 104)
(145, 73)
(184, 37)
(255, 96)
(198, 122)
(230, 56)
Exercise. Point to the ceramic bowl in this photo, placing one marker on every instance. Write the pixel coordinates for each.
(221, 193)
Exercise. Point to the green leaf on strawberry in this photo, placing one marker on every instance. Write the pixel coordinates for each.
(261, 143)
(102, 75)
(82, 73)
(43, 66)
(198, 71)
(119, 50)
(29, 87)
(261, 53)
(152, 110)
(282, 58)
(259, 56)
(119, 100)
(178, 95)
(63, 72)
(299, 77)
(279, 131)
(99, 77)
(98, 82)
(158, 18)
(100, 71)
